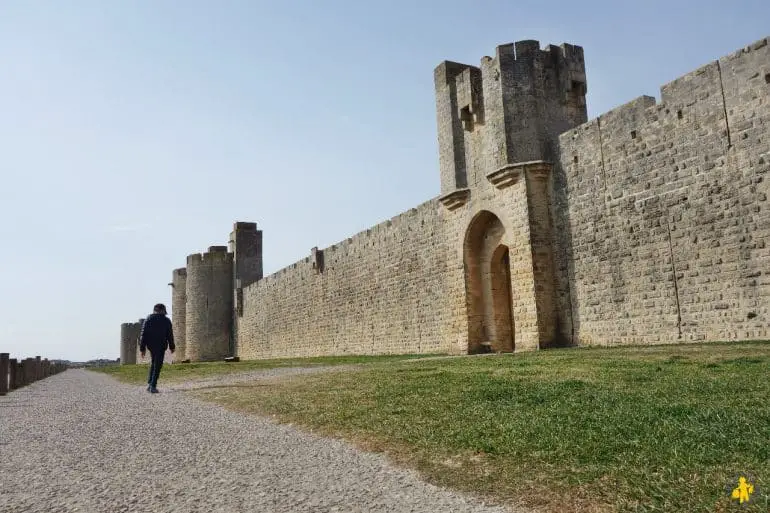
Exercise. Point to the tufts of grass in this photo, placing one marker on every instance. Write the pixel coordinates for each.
(660, 429)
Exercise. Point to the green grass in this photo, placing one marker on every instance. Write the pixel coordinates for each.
(177, 372)
(654, 429)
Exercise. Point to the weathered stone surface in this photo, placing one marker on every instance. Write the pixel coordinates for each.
(179, 312)
(417, 283)
(383, 290)
(246, 246)
(665, 213)
(209, 311)
(129, 342)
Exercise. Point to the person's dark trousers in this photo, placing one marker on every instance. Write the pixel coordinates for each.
(156, 363)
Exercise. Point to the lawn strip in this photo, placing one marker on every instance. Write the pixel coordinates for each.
(622, 429)
(179, 372)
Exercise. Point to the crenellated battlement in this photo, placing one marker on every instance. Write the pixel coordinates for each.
(245, 244)
(246, 226)
(217, 254)
(212, 254)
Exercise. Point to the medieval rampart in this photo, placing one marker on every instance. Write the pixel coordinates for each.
(665, 223)
(383, 290)
(648, 224)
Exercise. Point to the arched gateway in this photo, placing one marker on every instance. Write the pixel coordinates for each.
(489, 294)
(510, 291)
(499, 128)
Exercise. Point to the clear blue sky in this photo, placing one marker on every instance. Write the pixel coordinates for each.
(135, 133)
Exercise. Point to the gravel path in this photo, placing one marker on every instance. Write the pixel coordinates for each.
(81, 441)
(240, 377)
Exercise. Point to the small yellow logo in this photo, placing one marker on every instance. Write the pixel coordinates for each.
(743, 491)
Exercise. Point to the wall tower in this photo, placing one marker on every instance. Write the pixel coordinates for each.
(498, 128)
(246, 246)
(128, 343)
(137, 326)
(511, 109)
(208, 316)
(179, 311)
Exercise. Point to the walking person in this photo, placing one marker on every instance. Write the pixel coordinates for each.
(157, 336)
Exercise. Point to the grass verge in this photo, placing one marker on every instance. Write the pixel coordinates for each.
(653, 429)
(177, 372)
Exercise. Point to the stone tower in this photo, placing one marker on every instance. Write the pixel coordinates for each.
(129, 342)
(127, 345)
(179, 310)
(246, 246)
(498, 128)
(138, 327)
(510, 110)
(209, 310)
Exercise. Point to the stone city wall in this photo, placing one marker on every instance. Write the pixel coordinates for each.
(383, 290)
(648, 224)
(665, 226)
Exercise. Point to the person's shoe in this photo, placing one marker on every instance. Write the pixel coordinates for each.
(149, 388)
(154, 390)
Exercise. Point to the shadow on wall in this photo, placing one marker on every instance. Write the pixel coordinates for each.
(568, 316)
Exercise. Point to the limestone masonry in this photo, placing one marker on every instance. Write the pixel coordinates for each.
(649, 224)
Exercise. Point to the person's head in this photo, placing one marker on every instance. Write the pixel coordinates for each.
(160, 308)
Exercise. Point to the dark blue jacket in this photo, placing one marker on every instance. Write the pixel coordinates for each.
(157, 333)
